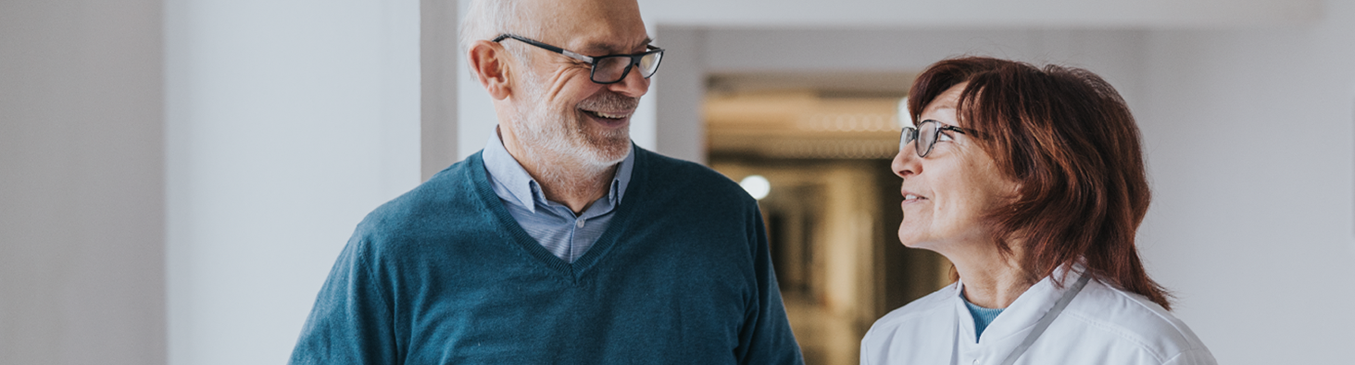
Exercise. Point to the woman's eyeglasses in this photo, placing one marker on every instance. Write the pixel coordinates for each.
(926, 134)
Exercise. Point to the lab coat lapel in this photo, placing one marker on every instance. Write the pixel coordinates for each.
(1016, 321)
(964, 331)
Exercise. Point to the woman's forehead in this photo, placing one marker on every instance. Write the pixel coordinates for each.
(947, 100)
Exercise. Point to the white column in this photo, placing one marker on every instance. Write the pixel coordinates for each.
(288, 121)
(680, 131)
(439, 57)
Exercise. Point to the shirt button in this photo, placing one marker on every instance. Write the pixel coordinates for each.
(579, 223)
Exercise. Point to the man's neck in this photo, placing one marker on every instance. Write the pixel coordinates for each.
(572, 183)
(564, 179)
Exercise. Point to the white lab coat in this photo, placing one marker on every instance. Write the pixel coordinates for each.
(1102, 325)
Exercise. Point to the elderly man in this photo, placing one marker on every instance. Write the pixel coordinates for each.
(560, 242)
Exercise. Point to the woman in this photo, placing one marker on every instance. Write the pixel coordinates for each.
(1031, 181)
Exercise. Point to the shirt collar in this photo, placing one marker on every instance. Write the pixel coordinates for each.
(504, 170)
(622, 178)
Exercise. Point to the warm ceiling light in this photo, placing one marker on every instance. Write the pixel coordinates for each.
(757, 186)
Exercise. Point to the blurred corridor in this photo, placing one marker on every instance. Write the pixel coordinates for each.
(823, 143)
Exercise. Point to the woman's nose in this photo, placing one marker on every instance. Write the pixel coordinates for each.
(906, 163)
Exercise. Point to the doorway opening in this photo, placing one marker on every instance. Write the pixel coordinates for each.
(823, 143)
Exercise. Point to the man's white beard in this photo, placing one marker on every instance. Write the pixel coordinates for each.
(557, 140)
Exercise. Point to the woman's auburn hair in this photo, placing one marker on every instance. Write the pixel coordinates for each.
(1068, 139)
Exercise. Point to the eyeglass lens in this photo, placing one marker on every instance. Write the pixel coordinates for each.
(614, 68)
(925, 135)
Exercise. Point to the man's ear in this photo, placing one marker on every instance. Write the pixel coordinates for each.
(489, 62)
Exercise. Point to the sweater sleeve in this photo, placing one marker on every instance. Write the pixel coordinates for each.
(766, 337)
(351, 322)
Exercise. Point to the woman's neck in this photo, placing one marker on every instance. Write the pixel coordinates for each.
(992, 280)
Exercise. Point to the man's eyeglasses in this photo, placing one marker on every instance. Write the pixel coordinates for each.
(607, 69)
(926, 135)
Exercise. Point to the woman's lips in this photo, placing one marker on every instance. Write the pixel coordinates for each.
(910, 198)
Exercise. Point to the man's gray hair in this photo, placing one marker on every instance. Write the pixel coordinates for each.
(486, 19)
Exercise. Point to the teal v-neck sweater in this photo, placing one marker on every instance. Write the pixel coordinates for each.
(444, 275)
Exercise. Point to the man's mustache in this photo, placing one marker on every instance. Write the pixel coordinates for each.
(610, 101)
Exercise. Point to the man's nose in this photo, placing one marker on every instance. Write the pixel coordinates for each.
(633, 85)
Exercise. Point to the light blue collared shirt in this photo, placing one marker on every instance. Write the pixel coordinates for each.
(552, 224)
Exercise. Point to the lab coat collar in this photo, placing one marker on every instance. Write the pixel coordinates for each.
(1017, 319)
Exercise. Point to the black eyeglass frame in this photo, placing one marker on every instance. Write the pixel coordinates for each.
(594, 61)
(910, 134)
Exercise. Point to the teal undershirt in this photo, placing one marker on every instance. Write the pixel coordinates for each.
(982, 317)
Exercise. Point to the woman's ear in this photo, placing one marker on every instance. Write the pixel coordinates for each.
(488, 61)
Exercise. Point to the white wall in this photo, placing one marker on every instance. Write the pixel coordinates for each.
(438, 59)
(1251, 145)
(984, 13)
(288, 121)
(81, 183)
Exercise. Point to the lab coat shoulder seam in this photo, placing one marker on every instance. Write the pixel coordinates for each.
(938, 300)
(1119, 331)
(1161, 315)
(1182, 355)
(899, 315)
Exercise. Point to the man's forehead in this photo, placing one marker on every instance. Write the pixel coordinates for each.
(600, 47)
(591, 26)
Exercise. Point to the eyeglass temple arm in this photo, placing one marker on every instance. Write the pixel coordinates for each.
(547, 47)
(959, 130)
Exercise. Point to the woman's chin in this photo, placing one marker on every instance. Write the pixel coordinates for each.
(909, 240)
(912, 240)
